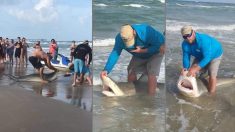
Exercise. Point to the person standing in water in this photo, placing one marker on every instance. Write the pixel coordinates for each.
(18, 51)
(207, 52)
(53, 49)
(72, 48)
(147, 48)
(25, 54)
(10, 51)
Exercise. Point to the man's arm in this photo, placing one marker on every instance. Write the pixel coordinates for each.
(114, 55)
(186, 56)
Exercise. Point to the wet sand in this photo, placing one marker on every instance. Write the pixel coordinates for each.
(33, 106)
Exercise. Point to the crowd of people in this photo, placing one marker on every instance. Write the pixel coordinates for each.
(12, 51)
(9, 49)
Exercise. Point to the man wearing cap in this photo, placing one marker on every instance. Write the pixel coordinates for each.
(147, 47)
(207, 52)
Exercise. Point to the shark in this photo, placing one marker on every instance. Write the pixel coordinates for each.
(112, 89)
(34, 77)
(196, 86)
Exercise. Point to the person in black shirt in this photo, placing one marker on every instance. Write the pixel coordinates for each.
(80, 53)
(18, 51)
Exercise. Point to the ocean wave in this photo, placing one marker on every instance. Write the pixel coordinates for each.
(137, 5)
(173, 25)
(203, 6)
(101, 4)
(104, 42)
(195, 6)
(162, 1)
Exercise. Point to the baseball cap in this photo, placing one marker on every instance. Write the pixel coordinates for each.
(127, 35)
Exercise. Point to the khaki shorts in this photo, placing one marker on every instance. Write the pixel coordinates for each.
(150, 66)
(212, 67)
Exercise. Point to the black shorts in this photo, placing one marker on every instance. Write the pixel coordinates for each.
(17, 52)
(35, 62)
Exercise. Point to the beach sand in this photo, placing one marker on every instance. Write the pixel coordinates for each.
(33, 106)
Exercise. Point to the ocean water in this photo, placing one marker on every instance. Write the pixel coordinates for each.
(205, 113)
(125, 113)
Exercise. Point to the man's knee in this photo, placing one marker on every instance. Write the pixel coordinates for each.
(132, 77)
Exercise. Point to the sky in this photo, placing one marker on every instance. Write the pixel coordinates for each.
(63, 20)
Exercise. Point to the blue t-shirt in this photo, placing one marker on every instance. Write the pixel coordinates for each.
(146, 37)
(204, 49)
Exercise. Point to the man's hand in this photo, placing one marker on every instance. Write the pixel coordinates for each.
(162, 49)
(193, 70)
(139, 50)
(103, 73)
(183, 72)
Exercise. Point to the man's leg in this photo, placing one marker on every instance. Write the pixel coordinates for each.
(213, 70)
(153, 69)
(152, 84)
(212, 85)
(74, 78)
(41, 75)
(81, 67)
(76, 69)
(132, 77)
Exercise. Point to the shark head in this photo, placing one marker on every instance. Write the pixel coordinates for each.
(110, 88)
(188, 86)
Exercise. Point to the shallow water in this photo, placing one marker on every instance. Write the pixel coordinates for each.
(139, 113)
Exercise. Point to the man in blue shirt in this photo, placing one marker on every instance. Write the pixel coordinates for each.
(207, 52)
(147, 47)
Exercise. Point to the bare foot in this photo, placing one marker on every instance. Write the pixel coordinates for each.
(73, 84)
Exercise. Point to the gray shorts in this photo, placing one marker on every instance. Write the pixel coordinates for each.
(150, 66)
(212, 67)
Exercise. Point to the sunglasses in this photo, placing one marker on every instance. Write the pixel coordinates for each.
(188, 35)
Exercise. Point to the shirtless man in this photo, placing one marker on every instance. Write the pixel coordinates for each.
(39, 55)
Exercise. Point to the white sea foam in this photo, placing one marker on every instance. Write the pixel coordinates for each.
(137, 5)
(173, 25)
(101, 4)
(181, 101)
(104, 42)
(195, 6)
(162, 1)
